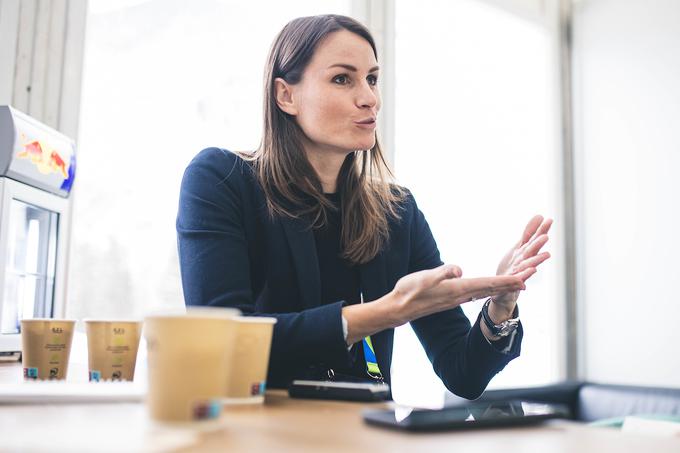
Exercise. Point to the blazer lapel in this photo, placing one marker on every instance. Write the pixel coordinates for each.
(303, 250)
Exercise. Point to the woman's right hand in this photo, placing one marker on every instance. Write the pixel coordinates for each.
(433, 290)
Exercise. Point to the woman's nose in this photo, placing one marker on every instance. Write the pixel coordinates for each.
(367, 97)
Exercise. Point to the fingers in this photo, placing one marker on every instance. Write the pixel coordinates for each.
(533, 247)
(534, 261)
(428, 279)
(543, 228)
(526, 273)
(537, 240)
(443, 272)
(530, 229)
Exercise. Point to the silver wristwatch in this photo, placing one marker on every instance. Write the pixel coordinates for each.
(503, 329)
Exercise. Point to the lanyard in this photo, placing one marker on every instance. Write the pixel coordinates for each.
(372, 368)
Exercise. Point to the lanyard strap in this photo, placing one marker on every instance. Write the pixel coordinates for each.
(369, 355)
(371, 362)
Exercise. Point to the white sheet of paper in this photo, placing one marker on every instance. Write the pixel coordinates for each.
(641, 425)
(57, 392)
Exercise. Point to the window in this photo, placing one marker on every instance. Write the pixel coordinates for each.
(476, 142)
(162, 80)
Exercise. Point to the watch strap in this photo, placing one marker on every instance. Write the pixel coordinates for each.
(506, 327)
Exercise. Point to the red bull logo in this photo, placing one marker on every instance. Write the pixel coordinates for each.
(47, 161)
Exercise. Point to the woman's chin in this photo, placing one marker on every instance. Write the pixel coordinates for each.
(365, 144)
(353, 145)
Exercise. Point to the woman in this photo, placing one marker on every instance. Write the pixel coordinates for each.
(309, 226)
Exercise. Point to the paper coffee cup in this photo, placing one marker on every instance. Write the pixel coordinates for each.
(250, 361)
(189, 359)
(112, 349)
(46, 347)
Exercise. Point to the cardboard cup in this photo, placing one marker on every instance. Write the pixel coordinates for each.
(112, 349)
(189, 359)
(46, 347)
(251, 360)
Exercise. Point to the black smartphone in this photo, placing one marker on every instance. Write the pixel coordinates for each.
(474, 415)
(338, 390)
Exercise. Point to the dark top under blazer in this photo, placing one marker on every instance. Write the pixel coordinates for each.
(232, 255)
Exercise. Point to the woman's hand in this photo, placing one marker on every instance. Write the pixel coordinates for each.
(523, 256)
(423, 293)
(430, 291)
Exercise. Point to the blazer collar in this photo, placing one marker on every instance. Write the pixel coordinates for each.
(303, 250)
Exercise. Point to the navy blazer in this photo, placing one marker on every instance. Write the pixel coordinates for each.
(233, 255)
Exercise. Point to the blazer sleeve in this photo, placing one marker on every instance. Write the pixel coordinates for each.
(460, 354)
(215, 264)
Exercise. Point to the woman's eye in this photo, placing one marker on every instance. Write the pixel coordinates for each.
(340, 79)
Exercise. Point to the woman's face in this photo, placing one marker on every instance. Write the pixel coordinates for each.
(337, 101)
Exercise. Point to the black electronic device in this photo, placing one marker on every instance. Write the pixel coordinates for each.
(338, 390)
(473, 415)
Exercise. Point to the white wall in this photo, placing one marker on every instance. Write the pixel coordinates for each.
(41, 51)
(627, 131)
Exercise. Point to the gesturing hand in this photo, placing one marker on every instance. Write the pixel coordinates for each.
(430, 291)
(522, 259)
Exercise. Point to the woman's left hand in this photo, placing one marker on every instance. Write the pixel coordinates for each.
(522, 256)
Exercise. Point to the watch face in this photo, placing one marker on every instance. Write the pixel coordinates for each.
(506, 328)
(504, 331)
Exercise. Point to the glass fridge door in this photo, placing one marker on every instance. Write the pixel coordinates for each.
(30, 265)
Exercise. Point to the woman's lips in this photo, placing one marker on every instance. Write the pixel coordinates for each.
(366, 125)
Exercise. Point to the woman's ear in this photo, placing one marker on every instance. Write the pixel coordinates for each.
(284, 96)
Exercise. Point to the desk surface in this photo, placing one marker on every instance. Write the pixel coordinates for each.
(282, 424)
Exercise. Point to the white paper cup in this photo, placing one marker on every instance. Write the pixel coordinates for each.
(250, 361)
(189, 359)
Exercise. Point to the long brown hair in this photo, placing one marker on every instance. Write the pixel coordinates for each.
(291, 186)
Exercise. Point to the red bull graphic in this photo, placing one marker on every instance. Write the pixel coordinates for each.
(57, 162)
(48, 160)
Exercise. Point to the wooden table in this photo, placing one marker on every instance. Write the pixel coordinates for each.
(282, 424)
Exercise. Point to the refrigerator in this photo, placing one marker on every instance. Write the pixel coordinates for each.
(37, 170)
